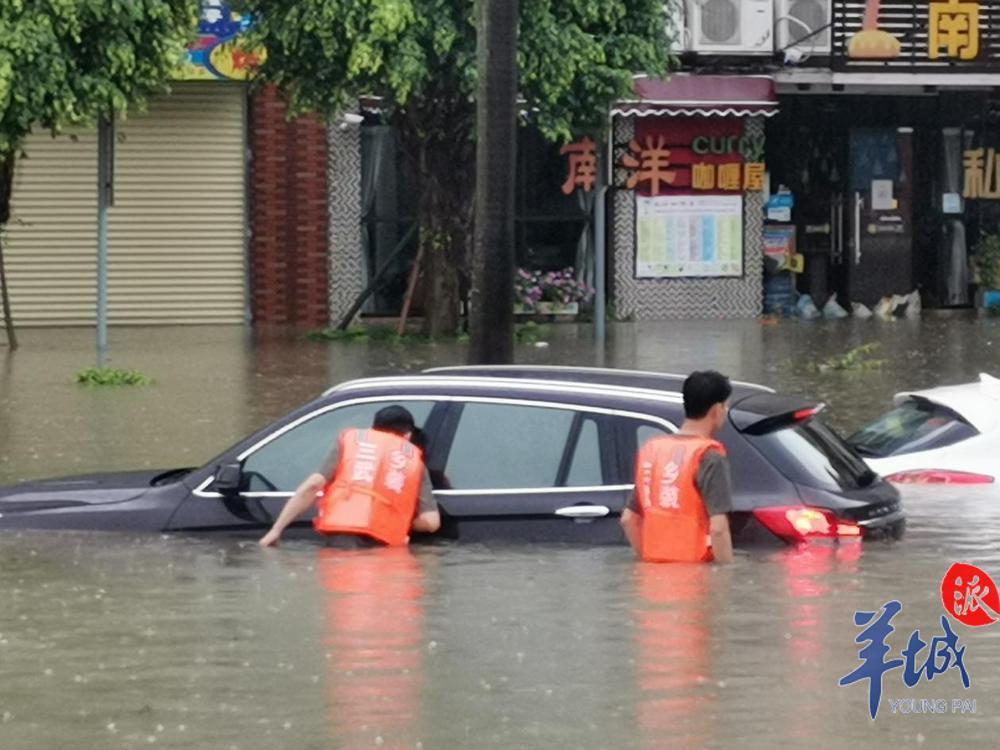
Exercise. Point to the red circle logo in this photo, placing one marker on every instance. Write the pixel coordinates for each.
(970, 595)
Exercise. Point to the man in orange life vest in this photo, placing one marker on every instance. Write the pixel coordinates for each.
(683, 487)
(373, 487)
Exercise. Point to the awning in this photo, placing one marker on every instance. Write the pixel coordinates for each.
(703, 96)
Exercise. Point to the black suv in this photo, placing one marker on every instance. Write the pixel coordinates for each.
(521, 453)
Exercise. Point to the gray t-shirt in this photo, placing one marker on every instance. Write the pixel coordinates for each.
(427, 501)
(714, 481)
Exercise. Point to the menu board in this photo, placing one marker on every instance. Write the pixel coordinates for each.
(680, 236)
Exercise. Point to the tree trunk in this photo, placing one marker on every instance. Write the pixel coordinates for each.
(491, 298)
(6, 190)
(437, 144)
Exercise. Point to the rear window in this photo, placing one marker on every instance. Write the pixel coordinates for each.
(915, 425)
(811, 454)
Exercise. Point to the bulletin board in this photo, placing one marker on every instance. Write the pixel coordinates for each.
(681, 236)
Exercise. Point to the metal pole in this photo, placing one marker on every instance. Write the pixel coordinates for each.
(105, 176)
(600, 266)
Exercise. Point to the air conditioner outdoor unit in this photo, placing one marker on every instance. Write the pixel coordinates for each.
(797, 19)
(731, 27)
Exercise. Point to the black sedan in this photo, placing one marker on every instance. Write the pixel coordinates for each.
(520, 453)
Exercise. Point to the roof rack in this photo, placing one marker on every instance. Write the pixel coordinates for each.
(459, 369)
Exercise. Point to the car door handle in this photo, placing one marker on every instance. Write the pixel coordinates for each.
(583, 511)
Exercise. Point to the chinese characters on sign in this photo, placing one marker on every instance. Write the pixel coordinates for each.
(982, 174)
(674, 157)
(953, 27)
(953, 32)
(650, 164)
(582, 165)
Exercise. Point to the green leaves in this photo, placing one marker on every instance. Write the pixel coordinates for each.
(63, 61)
(575, 56)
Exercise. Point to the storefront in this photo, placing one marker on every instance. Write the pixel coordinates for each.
(177, 235)
(688, 196)
(885, 154)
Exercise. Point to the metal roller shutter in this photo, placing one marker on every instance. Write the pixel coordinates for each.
(176, 232)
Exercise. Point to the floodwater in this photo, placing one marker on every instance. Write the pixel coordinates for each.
(111, 641)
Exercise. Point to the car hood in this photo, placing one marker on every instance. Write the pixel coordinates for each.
(977, 403)
(90, 489)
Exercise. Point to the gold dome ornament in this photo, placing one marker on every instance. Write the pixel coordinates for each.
(871, 43)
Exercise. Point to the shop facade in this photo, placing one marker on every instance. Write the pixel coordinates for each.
(220, 214)
(884, 146)
(687, 199)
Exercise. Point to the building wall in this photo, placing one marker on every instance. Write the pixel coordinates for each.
(347, 269)
(657, 299)
(288, 210)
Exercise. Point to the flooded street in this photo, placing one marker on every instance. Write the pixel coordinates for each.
(111, 641)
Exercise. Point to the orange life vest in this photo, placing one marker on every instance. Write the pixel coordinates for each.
(674, 524)
(376, 488)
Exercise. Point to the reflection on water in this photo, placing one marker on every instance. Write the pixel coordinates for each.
(673, 643)
(122, 642)
(374, 616)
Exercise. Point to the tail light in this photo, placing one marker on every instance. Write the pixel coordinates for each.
(799, 523)
(938, 476)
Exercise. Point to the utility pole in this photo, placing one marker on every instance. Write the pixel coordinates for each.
(492, 295)
(105, 199)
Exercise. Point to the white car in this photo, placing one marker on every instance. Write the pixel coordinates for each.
(946, 435)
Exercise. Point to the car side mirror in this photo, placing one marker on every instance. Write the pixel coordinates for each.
(228, 479)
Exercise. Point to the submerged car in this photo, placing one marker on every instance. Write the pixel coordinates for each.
(946, 435)
(519, 453)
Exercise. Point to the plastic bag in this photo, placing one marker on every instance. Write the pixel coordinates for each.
(833, 310)
(913, 304)
(885, 308)
(860, 311)
(806, 308)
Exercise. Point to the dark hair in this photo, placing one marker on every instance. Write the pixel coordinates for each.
(703, 390)
(419, 438)
(393, 419)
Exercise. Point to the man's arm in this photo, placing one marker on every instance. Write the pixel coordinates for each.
(631, 522)
(722, 541)
(715, 483)
(297, 504)
(428, 518)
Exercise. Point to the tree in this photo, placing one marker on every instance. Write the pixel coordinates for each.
(575, 57)
(491, 299)
(62, 63)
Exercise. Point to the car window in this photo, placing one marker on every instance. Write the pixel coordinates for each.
(915, 425)
(811, 454)
(585, 466)
(508, 446)
(632, 435)
(646, 432)
(282, 464)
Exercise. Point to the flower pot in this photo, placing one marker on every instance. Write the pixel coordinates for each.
(558, 308)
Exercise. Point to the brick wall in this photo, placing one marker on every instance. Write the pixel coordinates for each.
(288, 219)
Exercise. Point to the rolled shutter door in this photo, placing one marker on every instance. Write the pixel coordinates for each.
(176, 232)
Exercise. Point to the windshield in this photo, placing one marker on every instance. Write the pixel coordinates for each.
(811, 454)
(915, 425)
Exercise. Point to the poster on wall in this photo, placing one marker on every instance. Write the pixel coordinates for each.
(680, 236)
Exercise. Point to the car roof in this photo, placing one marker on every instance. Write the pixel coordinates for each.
(977, 403)
(650, 381)
(633, 385)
